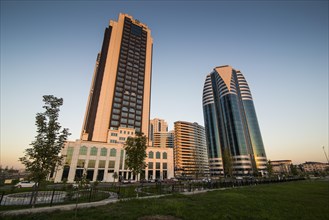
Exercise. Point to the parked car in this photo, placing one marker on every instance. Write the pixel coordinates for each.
(25, 184)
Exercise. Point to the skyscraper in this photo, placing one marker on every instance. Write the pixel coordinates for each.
(232, 131)
(121, 85)
(190, 150)
(118, 107)
(157, 126)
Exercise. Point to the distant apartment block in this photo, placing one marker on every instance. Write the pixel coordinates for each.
(281, 166)
(157, 126)
(163, 139)
(231, 124)
(190, 150)
(310, 167)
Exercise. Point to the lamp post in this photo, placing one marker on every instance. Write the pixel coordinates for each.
(325, 153)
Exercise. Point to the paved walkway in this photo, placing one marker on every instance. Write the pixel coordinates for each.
(88, 205)
(69, 206)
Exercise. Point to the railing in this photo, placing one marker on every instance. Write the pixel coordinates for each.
(67, 195)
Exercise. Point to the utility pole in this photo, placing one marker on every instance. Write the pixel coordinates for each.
(325, 154)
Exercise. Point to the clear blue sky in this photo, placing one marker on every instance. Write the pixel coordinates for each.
(280, 46)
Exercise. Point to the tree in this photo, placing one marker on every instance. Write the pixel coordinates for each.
(115, 176)
(269, 168)
(293, 169)
(136, 153)
(44, 155)
(228, 163)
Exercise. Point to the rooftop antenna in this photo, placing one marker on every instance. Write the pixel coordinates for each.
(325, 154)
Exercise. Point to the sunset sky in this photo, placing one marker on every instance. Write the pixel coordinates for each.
(281, 47)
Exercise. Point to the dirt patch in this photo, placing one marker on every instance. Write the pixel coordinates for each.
(159, 217)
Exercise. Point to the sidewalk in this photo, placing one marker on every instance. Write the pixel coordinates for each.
(69, 207)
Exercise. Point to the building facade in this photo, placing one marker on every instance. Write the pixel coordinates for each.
(190, 150)
(157, 126)
(100, 160)
(121, 85)
(163, 139)
(311, 167)
(233, 135)
(118, 107)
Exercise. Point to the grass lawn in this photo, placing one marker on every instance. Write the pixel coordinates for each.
(291, 200)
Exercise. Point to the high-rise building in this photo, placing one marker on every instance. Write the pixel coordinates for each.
(190, 150)
(232, 131)
(121, 85)
(164, 139)
(118, 107)
(157, 125)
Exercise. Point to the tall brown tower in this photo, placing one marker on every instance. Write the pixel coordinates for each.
(121, 87)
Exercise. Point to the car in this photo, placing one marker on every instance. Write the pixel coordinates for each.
(25, 184)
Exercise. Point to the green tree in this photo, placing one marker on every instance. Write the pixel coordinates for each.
(136, 153)
(228, 163)
(44, 155)
(115, 176)
(269, 168)
(293, 170)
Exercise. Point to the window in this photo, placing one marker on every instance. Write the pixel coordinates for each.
(113, 152)
(164, 166)
(157, 165)
(122, 138)
(151, 154)
(114, 134)
(91, 163)
(157, 155)
(83, 150)
(81, 163)
(113, 141)
(103, 151)
(111, 164)
(93, 151)
(164, 155)
(101, 164)
(150, 165)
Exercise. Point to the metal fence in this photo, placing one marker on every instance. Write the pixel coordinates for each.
(120, 191)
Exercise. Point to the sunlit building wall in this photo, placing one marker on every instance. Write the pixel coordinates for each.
(157, 125)
(163, 139)
(231, 123)
(118, 107)
(121, 85)
(190, 150)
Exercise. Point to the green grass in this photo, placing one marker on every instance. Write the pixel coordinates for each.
(291, 200)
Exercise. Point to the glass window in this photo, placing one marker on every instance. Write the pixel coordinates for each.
(150, 165)
(157, 155)
(164, 166)
(91, 163)
(83, 150)
(114, 134)
(93, 151)
(111, 164)
(113, 152)
(103, 151)
(113, 141)
(81, 163)
(164, 155)
(151, 154)
(101, 164)
(157, 165)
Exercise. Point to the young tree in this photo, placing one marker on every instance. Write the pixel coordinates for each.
(44, 155)
(269, 168)
(136, 153)
(115, 176)
(228, 163)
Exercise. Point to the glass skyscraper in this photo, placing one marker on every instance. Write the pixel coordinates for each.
(234, 141)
